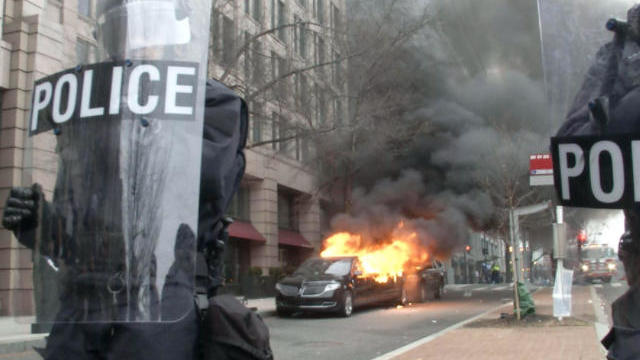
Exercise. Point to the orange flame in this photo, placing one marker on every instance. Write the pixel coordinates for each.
(381, 261)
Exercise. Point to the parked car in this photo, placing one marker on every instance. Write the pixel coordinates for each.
(427, 282)
(334, 284)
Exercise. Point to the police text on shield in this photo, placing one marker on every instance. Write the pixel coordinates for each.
(597, 171)
(115, 90)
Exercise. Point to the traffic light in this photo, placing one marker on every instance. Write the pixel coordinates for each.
(467, 248)
(582, 237)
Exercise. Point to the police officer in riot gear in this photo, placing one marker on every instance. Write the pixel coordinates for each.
(608, 103)
(78, 231)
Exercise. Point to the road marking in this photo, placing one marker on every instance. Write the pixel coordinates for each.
(424, 340)
(457, 286)
(481, 288)
(616, 284)
(599, 286)
(500, 288)
(601, 324)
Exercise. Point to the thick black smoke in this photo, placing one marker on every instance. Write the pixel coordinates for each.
(450, 162)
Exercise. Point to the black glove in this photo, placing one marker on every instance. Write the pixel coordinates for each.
(21, 209)
(215, 255)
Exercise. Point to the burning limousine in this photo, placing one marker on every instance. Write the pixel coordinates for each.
(347, 275)
(335, 284)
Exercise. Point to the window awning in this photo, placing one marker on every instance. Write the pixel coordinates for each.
(292, 238)
(244, 230)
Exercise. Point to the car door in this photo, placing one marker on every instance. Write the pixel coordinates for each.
(361, 285)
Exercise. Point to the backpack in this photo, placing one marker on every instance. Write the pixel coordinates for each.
(231, 331)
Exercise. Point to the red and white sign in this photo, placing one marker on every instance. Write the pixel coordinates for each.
(540, 170)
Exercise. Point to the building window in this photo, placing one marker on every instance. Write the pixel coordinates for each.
(258, 61)
(283, 131)
(287, 216)
(255, 113)
(337, 68)
(239, 208)
(296, 34)
(256, 12)
(300, 37)
(274, 23)
(278, 69)
(282, 21)
(337, 112)
(321, 106)
(247, 7)
(85, 52)
(305, 150)
(318, 10)
(303, 93)
(228, 40)
(274, 130)
(257, 129)
(247, 57)
(320, 49)
(215, 41)
(84, 7)
(336, 22)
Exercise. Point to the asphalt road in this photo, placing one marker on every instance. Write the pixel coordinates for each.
(608, 293)
(371, 332)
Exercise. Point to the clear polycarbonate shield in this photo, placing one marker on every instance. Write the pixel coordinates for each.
(571, 33)
(115, 147)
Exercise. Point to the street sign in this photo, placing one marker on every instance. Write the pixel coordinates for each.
(540, 170)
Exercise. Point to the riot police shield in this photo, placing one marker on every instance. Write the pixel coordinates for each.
(116, 147)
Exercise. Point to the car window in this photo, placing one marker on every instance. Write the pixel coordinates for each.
(314, 267)
(340, 268)
(595, 253)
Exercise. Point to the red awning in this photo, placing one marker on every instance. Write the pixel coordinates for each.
(244, 230)
(292, 238)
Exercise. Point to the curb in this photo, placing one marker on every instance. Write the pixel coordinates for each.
(21, 344)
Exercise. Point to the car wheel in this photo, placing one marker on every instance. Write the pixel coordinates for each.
(424, 292)
(283, 312)
(438, 292)
(404, 298)
(346, 308)
(607, 279)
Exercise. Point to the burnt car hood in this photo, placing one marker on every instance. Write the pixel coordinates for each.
(297, 280)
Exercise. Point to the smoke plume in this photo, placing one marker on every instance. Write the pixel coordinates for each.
(457, 155)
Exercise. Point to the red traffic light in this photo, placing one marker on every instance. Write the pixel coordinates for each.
(582, 237)
(467, 248)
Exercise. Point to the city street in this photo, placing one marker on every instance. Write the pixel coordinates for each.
(608, 293)
(372, 332)
(375, 331)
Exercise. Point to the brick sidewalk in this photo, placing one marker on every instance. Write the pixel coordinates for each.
(549, 343)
